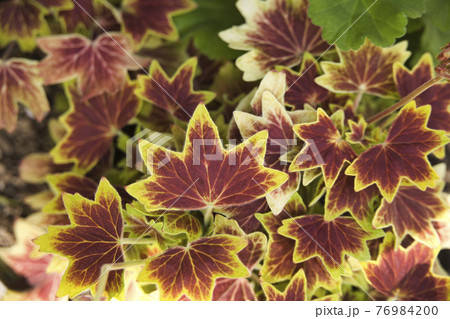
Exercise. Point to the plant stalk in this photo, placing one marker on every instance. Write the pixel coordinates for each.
(357, 101)
(405, 99)
(104, 274)
(137, 241)
(8, 50)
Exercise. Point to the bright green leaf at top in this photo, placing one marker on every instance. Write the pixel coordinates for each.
(205, 23)
(347, 23)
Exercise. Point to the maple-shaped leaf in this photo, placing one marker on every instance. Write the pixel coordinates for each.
(294, 291)
(91, 241)
(152, 17)
(86, 13)
(342, 197)
(233, 289)
(405, 274)
(366, 70)
(20, 83)
(278, 264)
(324, 147)
(92, 125)
(99, 65)
(35, 167)
(276, 32)
(412, 212)
(357, 134)
(252, 254)
(301, 85)
(438, 96)
(175, 95)
(205, 174)
(245, 214)
(403, 155)
(70, 183)
(192, 270)
(331, 241)
(21, 21)
(278, 123)
(239, 289)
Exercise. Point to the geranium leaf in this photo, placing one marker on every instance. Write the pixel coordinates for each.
(278, 123)
(405, 274)
(20, 82)
(100, 65)
(349, 22)
(92, 125)
(357, 134)
(175, 95)
(35, 167)
(342, 197)
(239, 289)
(276, 32)
(312, 234)
(252, 254)
(366, 70)
(294, 291)
(412, 212)
(302, 87)
(21, 21)
(401, 156)
(438, 96)
(192, 270)
(91, 241)
(245, 214)
(85, 14)
(70, 183)
(327, 147)
(142, 18)
(205, 175)
(233, 289)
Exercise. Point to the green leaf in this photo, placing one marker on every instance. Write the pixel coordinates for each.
(205, 23)
(348, 23)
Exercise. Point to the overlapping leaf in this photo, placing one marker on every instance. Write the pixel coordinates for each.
(278, 123)
(412, 212)
(20, 82)
(175, 95)
(342, 197)
(70, 183)
(276, 32)
(349, 22)
(192, 270)
(91, 241)
(324, 148)
(401, 156)
(245, 214)
(86, 13)
(405, 274)
(438, 96)
(301, 85)
(366, 70)
(239, 289)
(278, 262)
(100, 65)
(329, 240)
(204, 174)
(23, 20)
(93, 123)
(294, 291)
(142, 18)
(35, 167)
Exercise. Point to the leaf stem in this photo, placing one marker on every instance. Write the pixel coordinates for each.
(137, 241)
(357, 101)
(8, 50)
(104, 274)
(208, 215)
(405, 99)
